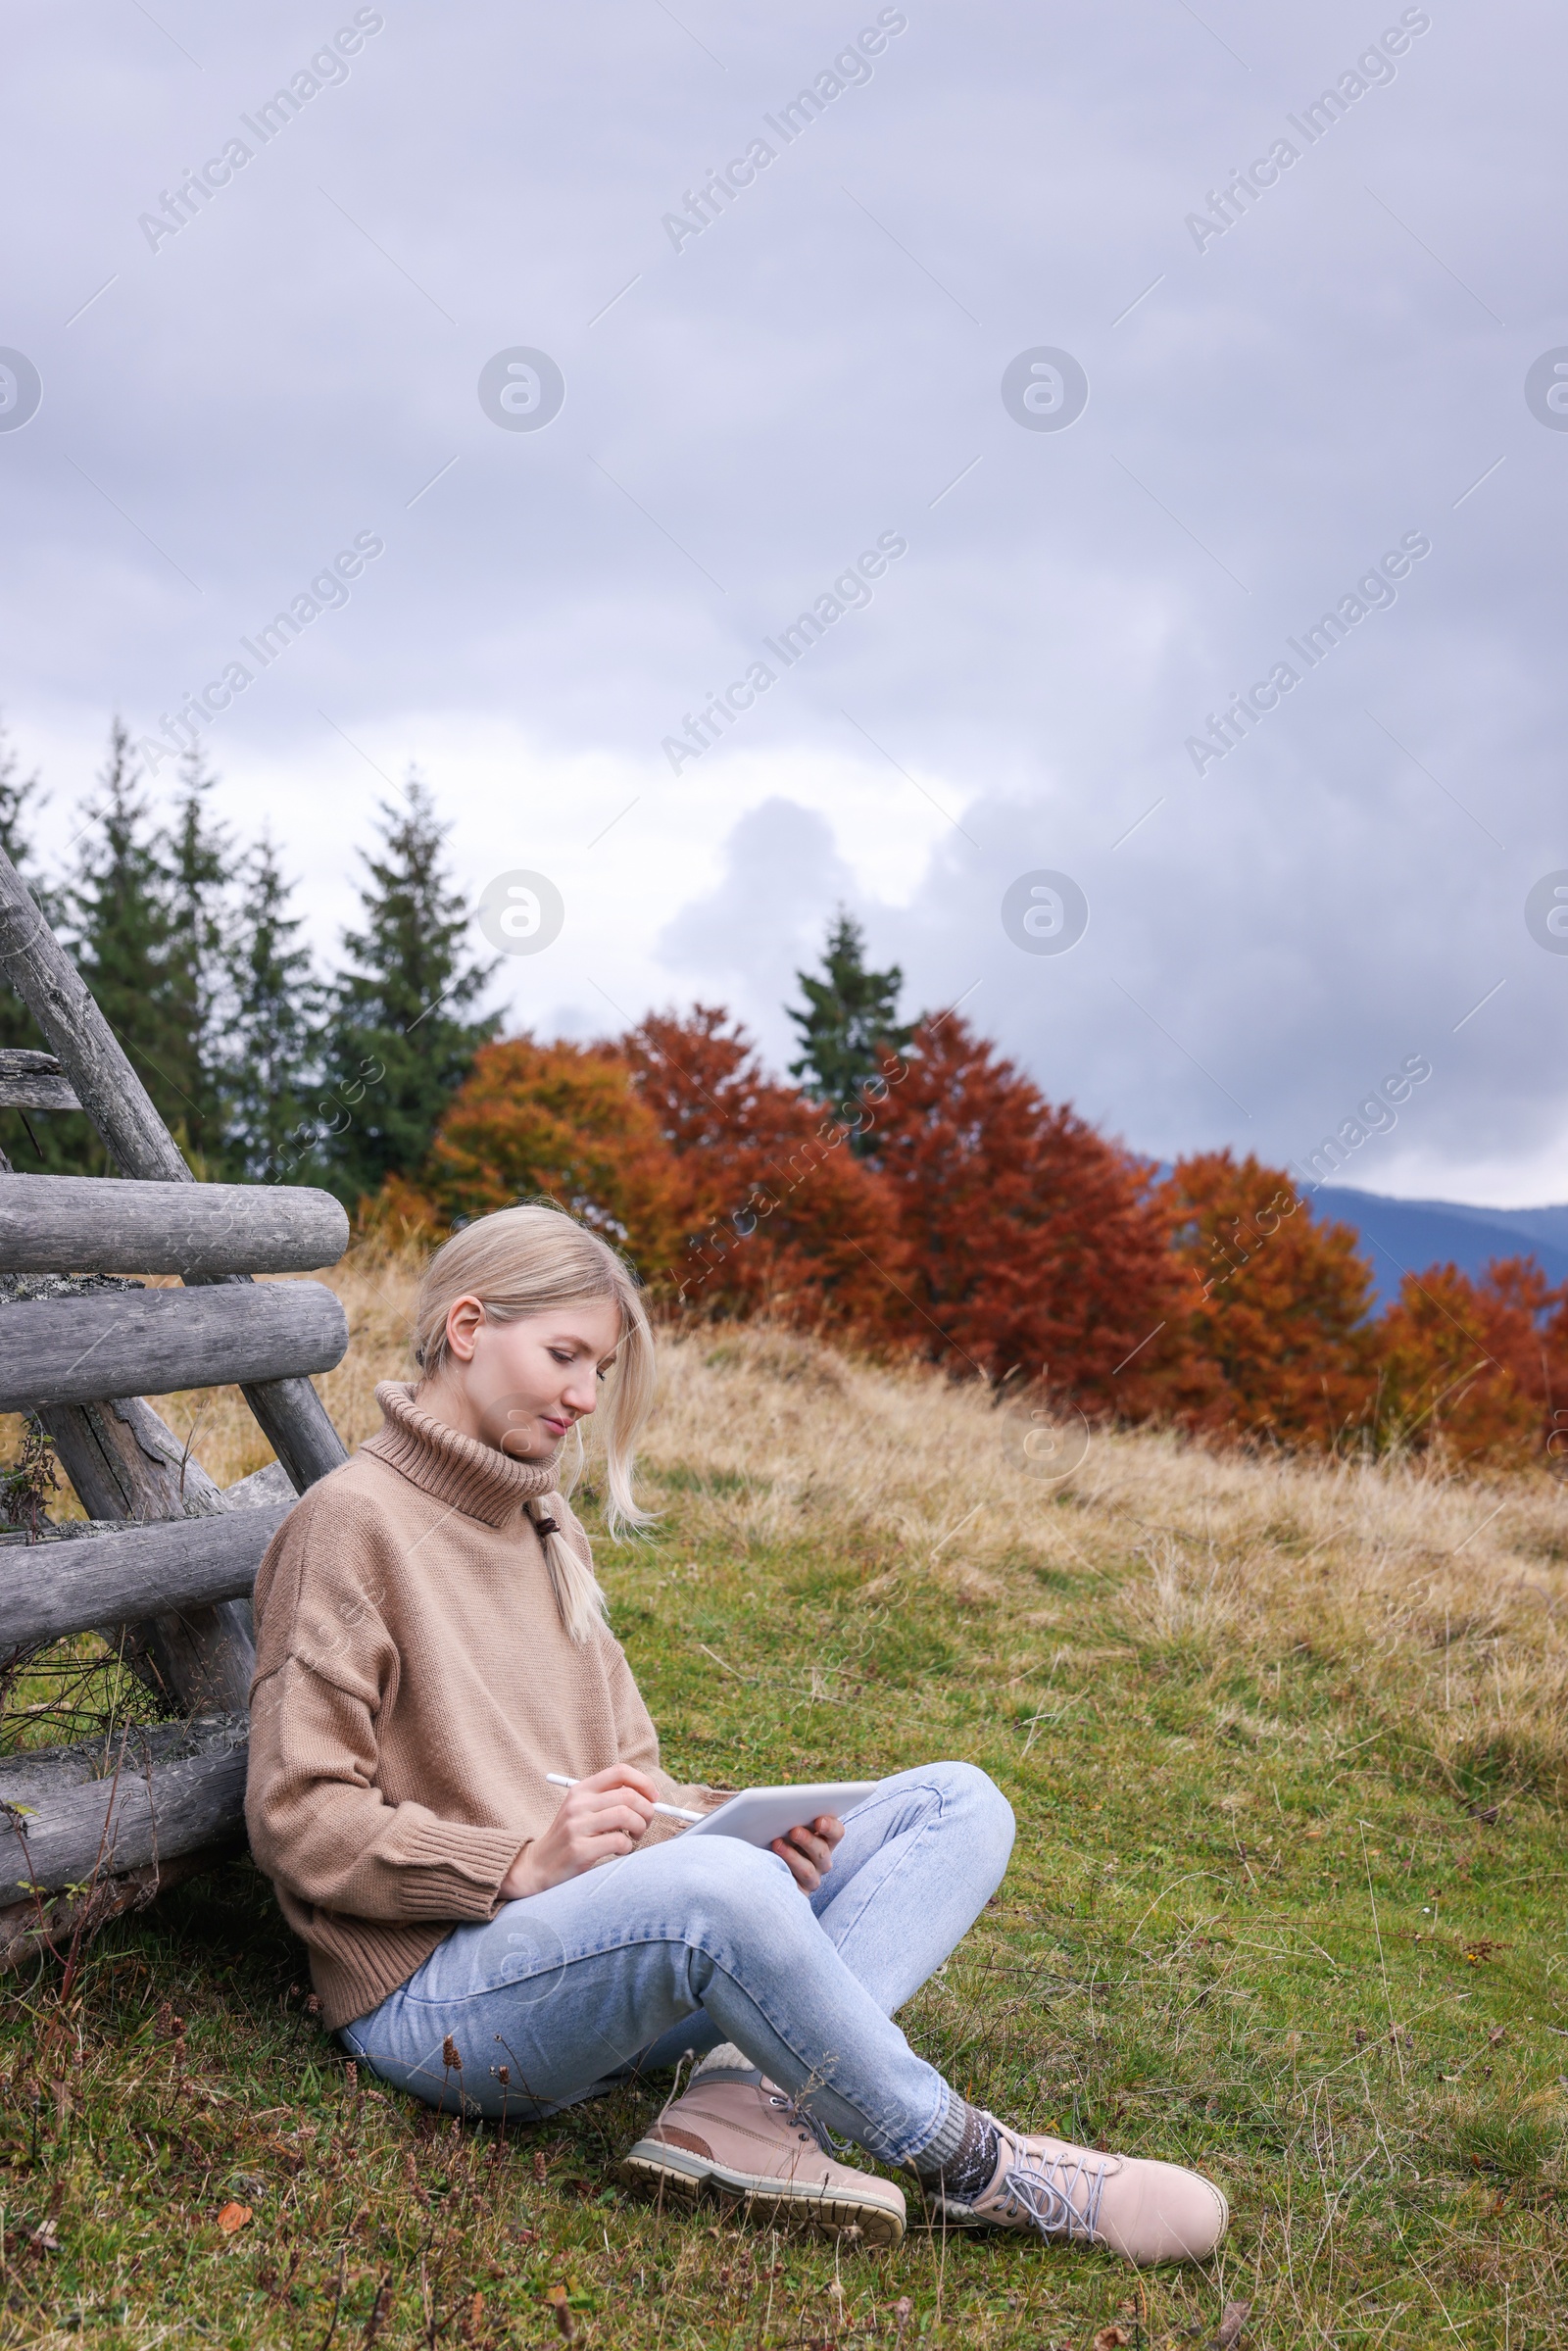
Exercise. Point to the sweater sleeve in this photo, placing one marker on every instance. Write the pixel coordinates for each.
(319, 1825)
(320, 1828)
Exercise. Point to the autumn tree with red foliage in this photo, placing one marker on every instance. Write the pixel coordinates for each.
(993, 1231)
(1274, 1307)
(1476, 1368)
(777, 1215)
(1035, 1248)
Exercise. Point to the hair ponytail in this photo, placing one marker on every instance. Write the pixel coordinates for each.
(579, 1597)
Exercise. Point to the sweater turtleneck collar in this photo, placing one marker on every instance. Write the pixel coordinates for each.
(475, 1478)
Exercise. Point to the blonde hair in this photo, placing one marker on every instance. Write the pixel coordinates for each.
(526, 1260)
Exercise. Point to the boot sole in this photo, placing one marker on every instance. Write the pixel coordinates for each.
(651, 2164)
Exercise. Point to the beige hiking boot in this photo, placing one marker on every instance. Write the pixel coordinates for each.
(740, 2136)
(1147, 2211)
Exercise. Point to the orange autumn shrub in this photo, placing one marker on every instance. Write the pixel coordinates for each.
(1478, 1369)
(1274, 1307)
(564, 1121)
(777, 1215)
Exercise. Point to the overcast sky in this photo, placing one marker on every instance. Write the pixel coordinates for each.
(1325, 368)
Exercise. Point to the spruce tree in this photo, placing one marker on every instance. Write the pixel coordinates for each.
(850, 1021)
(121, 906)
(200, 869)
(272, 1031)
(397, 1050)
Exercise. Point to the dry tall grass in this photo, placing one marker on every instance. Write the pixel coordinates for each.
(1439, 1600)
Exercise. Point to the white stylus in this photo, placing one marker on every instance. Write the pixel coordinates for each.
(674, 1812)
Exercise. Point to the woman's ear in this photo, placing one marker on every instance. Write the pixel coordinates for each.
(464, 1317)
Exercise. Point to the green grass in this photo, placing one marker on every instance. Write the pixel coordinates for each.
(1243, 1927)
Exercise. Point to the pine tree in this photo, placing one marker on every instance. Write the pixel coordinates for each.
(849, 1023)
(121, 906)
(397, 1053)
(200, 870)
(272, 1033)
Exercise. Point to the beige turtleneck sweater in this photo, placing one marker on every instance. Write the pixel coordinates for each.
(414, 1685)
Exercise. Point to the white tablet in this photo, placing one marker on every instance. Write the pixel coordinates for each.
(760, 1814)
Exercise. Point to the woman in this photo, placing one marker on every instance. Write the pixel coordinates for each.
(431, 1645)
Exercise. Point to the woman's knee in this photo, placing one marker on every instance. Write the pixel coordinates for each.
(985, 1811)
(736, 1892)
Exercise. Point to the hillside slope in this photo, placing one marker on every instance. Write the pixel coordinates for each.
(1286, 1746)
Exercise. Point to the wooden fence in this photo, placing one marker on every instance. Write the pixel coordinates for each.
(164, 1566)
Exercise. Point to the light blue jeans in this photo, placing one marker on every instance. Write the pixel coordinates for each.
(705, 1940)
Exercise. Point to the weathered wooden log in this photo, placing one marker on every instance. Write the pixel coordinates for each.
(89, 1053)
(37, 966)
(56, 1224)
(34, 1081)
(51, 1923)
(54, 1588)
(296, 1424)
(73, 1351)
(270, 1484)
(153, 1800)
(127, 1463)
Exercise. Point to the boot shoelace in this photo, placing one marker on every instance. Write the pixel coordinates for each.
(807, 2125)
(1032, 2186)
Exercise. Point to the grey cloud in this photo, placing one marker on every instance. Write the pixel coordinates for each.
(747, 938)
(1267, 416)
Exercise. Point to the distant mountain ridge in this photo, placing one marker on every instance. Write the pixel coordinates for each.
(1401, 1236)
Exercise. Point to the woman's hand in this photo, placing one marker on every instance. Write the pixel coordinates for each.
(809, 1853)
(599, 1820)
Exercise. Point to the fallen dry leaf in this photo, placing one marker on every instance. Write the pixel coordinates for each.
(557, 2299)
(234, 2217)
(45, 2238)
(1233, 2317)
(1111, 2338)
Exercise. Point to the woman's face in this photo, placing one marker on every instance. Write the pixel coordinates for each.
(521, 1386)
